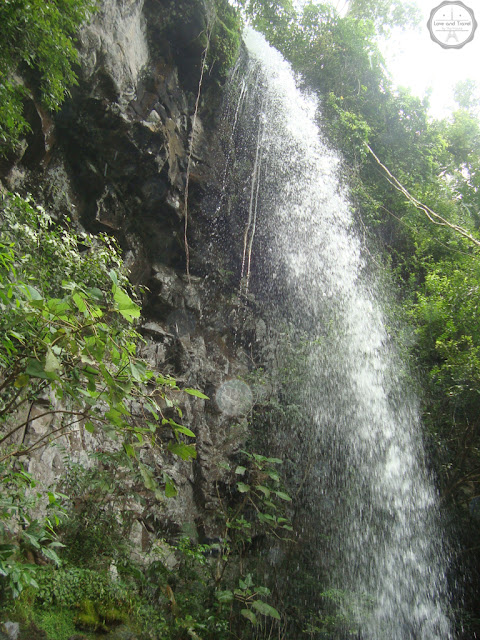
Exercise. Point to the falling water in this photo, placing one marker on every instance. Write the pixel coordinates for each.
(367, 479)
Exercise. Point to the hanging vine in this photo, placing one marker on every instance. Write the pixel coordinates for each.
(211, 17)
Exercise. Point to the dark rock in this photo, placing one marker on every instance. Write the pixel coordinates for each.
(114, 160)
(121, 633)
(32, 632)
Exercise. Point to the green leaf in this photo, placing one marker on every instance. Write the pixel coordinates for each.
(51, 555)
(125, 304)
(96, 294)
(196, 393)
(182, 450)
(249, 615)
(248, 582)
(32, 293)
(264, 490)
(80, 302)
(138, 370)
(21, 381)
(266, 517)
(129, 450)
(243, 488)
(115, 417)
(224, 596)
(240, 470)
(147, 475)
(90, 427)
(265, 609)
(113, 277)
(52, 363)
(18, 336)
(35, 369)
(170, 488)
(274, 460)
(283, 496)
(181, 429)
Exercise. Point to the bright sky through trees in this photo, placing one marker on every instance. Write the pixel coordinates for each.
(415, 61)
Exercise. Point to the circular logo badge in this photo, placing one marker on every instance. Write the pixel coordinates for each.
(452, 25)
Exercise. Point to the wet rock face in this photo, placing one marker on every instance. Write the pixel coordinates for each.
(115, 160)
(116, 155)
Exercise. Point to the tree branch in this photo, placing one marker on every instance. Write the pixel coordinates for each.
(431, 215)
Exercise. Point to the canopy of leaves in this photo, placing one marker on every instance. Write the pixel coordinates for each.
(37, 54)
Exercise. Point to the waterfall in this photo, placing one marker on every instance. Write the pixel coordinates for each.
(371, 503)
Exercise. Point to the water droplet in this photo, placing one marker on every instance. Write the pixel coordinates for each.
(234, 398)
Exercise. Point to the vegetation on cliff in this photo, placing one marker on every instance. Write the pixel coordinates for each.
(37, 56)
(69, 369)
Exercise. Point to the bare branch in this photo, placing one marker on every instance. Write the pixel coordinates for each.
(431, 215)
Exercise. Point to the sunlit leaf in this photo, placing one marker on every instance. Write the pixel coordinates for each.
(181, 429)
(21, 381)
(182, 450)
(51, 363)
(265, 609)
(246, 613)
(196, 393)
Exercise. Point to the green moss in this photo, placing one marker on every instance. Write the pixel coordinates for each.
(93, 616)
(58, 624)
(225, 39)
(113, 616)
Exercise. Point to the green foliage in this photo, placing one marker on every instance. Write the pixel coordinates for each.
(79, 345)
(339, 610)
(95, 616)
(66, 587)
(445, 313)
(249, 597)
(36, 41)
(271, 17)
(181, 589)
(97, 530)
(260, 506)
(225, 39)
(58, 624)
(21, 533)
(71, 598)
(68, 343)
(349, 126)
(386, 14)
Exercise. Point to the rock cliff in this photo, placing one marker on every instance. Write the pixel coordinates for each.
(115, 160)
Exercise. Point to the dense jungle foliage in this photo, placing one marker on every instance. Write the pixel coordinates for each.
(68, 316)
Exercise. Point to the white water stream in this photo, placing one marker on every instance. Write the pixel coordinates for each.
(361, 421)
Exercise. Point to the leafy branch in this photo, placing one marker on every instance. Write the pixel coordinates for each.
(68, 347)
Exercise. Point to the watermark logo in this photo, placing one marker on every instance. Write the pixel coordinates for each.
(452, 25)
